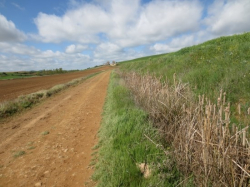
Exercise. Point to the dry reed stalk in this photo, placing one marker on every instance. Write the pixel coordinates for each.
(239, 109)
(244, 138)
(224, 98)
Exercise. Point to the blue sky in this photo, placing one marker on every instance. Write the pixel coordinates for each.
(77, 34)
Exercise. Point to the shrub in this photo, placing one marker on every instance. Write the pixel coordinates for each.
(206, 144)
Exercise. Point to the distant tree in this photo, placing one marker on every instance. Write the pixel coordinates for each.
(107, 63)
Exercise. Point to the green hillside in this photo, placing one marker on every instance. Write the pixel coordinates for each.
(222, 63)
(199, 100)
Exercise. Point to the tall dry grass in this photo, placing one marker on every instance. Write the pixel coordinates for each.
(206, 145)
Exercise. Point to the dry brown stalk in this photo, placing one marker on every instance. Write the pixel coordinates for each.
(224, 98)
(157, 145)
(241, 168)
(239, 109)
(244, 138)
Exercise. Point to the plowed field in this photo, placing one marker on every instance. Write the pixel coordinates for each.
(51, 144)
(11, 89)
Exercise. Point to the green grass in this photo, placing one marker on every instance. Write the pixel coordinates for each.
(31, 147)
(123, 145)
(45, 133)
(19, 153)
(25, 74)
(222, 63)
(12, 77)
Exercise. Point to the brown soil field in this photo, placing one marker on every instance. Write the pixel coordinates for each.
(11, 89)
(51, 144)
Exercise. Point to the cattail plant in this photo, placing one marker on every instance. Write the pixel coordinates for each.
(205, 142)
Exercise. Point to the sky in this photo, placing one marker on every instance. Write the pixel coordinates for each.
(77, 34)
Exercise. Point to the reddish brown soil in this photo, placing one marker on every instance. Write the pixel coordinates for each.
(11, 89)
(62, 157)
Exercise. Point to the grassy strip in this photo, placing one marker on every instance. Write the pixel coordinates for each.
(123, 145)
(9, 108)
(26, 74)
(14, 77)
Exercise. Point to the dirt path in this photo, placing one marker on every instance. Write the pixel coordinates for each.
(57, 137)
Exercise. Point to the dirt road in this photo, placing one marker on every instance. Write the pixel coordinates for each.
(51, 144)
(11, 89)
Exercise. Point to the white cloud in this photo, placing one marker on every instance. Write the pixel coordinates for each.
(183, 41)
(75, 48)
(160, 20)
(80, 25)
(117, 28)
(224, 17)
(229, 17)
(9, 32)
(113, 25)
(176, 44)
(108, 51)
(17, 48)
(108, 48)
(124, 16)
(161, 48)
(124, 22)
(18, 6)
(17, 57)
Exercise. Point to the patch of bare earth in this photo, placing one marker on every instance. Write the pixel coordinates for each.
(11, 89)
(51, 144)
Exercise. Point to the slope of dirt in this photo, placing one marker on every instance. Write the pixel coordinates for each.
(11, 89)
(57, 137)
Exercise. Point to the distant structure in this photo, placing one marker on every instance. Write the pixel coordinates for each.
(113, 63)
(110, 64)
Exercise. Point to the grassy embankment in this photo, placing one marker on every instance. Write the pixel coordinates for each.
(23, 102)
(127, 140)
(209, 134)
(222, 63)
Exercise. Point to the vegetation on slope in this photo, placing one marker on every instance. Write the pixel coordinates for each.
(206, 146)
(209, 134)
(128, 141)
(222, 63)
